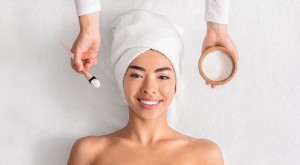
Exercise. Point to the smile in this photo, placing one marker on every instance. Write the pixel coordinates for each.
(149, 104)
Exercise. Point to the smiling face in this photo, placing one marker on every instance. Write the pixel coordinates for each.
(149, 85)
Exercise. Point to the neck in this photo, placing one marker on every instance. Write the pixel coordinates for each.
(146, 131)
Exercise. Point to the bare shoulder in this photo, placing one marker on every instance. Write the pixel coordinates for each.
(208, 151)
(202, 151)
(85, 149)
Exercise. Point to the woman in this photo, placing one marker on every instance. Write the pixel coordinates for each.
(146, 54)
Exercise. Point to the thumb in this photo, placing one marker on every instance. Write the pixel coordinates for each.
(207, 43)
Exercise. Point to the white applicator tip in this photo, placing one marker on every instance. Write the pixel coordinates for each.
(95, 82)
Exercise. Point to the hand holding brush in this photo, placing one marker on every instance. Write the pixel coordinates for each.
(92, 79)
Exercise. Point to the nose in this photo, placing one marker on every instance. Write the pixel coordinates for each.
(149, 86)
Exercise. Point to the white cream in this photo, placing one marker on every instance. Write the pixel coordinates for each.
(95, 83)
(217, 66)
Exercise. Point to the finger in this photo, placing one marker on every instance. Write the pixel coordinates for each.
(77, 60)
(207, 83)
(213, 86)
(90, 62)
(233, 49)
(73, 66)
(87, 66)
(89, 55)
(93, 61)
(236, 55)
(205, 46)
(207, 42)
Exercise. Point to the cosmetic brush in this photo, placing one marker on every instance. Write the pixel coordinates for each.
(92, 79)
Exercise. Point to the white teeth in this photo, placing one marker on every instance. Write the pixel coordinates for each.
(149, 102)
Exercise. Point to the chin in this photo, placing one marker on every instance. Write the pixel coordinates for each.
(148, 114)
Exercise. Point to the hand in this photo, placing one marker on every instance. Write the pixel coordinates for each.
(217, 35)
(87, 44)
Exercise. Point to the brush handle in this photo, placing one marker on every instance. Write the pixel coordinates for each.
(87, 74)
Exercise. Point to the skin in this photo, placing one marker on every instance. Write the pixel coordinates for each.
(87, 44)
(146, 139)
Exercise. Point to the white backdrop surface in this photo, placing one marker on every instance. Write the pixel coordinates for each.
(45, 106)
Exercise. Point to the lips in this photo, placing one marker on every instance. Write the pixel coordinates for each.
(149, 103)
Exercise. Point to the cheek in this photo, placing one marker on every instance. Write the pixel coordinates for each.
(168, 88)
(130, 87)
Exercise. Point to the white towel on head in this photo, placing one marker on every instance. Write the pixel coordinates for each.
(137, 31)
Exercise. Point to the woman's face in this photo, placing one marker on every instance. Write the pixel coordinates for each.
(149, 85)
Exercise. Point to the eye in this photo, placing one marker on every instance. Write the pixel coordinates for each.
(164, 77)
(136, 75)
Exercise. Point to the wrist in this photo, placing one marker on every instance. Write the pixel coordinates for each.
(89, 23)
(217, 29)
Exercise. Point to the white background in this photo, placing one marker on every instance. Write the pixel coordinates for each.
(45, 106)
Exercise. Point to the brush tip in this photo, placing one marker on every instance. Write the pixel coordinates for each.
(95, 83)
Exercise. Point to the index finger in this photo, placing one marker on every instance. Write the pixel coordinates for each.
(89, 55)
(77, 60)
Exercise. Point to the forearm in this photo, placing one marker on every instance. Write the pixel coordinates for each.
(90, 23)
(89, 13)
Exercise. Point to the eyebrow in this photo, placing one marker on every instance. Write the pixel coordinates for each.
(143, 69)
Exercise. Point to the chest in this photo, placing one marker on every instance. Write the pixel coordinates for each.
(167, 156)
